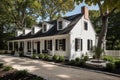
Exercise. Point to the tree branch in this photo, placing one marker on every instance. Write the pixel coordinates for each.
(100, 7)
(111, 12)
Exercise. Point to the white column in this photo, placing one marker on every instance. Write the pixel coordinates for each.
(31, 48)
(53, 46)
(18, 46)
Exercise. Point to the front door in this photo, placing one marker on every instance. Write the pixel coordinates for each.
(38, 47)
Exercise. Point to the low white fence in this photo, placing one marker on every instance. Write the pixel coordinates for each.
(114, 53)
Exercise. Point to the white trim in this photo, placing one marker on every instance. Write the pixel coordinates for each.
(46, 37)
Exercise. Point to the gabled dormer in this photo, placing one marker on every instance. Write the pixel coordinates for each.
(62, 23)
(35, 29)
(46, 26)
(26, 31)
(18, 32)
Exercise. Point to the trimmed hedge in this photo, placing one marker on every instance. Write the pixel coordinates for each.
(110, 66)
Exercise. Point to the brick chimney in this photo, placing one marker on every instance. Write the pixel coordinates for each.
(85, 11)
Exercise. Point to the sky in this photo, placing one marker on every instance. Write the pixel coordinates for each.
(78, 9)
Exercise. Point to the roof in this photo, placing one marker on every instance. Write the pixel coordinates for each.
(53, 31)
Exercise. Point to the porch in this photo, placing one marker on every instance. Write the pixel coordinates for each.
(59, 45)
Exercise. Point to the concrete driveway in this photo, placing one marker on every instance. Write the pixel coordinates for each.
(51, 71)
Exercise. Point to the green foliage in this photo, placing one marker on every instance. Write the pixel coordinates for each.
(77, 59)
(1, 65)
(86, 58)
(82, 62)
(117, 64)
(7, 68)
(61, 59)
(98, 52)
(41, 56)
(110, 66)
(108, 58)
(35, 55)
(46, 57)
(21, 73)
(72, 62)
(55, 58)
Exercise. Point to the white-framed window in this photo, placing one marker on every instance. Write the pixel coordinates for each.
(44, 28)
(29, 46)
(60, 25)
(33, 30)
(78, 44)
(89, 44)
(60, 44)
(85, 25)
(48, 44)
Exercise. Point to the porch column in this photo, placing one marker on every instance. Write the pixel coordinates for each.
(53, 46)
(18, 46)
(31, 48)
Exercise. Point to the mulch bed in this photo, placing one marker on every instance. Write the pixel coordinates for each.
(17, 75)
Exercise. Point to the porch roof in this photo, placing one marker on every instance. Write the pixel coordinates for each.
(53, 31)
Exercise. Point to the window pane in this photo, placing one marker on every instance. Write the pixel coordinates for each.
(60, 25)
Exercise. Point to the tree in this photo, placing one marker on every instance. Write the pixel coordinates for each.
(113, 34)
(53, 9)
(106, 8)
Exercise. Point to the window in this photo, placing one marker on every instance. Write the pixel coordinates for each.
(28, 46)
(44, 27)
(24, 31)
(33, 30)
(60, 25)
(85, 26)
(48, 44)
(10, 46)
(89, 44)
(78, 44)
(60, 44)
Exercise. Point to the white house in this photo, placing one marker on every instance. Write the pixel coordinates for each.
(69, 36)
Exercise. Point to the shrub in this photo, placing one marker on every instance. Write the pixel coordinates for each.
(61, 59)
(82, 62)
(6, 52)
(110, 66)
(77, 59)
(41, 56)
(46, 57)
(35, 56)
(7, 68)
(1, 65)
(55, 58)
(21, 73)
(86, 58)
(72, 62)
(117, 64)
(12, 52)
(108, 58)
(93, 56)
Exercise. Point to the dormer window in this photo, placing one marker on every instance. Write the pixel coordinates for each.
(60, 25)
(45, 27)
(24, 31)
(33, 30)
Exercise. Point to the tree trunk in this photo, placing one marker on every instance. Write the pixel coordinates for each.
(102, 35)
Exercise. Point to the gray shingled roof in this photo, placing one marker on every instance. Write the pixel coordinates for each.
(53, 31)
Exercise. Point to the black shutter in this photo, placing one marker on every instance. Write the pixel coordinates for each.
(50, 44)
(56, 43)
(81, 44)
(64, 44)
(88, 44)
(45, 45)
(91, 44)
(76, 41)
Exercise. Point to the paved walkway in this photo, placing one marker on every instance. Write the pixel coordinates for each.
(51, 71)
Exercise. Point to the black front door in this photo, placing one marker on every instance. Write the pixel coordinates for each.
(38, 47)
